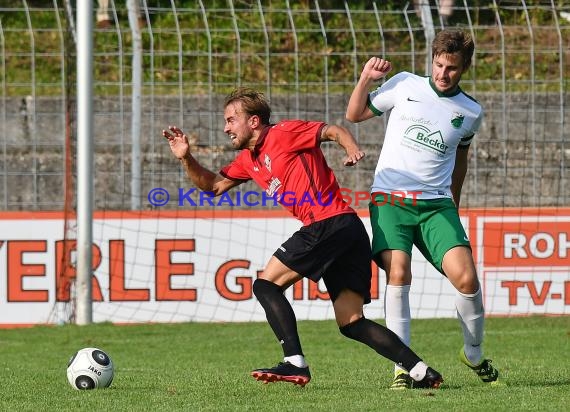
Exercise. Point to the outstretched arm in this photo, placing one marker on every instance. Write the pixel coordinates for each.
(203, 178)
(345, 139)
(374, 69)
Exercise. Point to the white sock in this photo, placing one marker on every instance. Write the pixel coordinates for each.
(297, 360)
(397, 313)
(418, 372)
(471, 315)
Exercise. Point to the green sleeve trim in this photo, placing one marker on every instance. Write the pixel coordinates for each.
(372, 108)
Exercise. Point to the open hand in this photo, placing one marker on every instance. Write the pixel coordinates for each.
(178, 141)
(353, 157)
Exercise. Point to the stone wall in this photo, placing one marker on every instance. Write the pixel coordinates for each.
(521, 157)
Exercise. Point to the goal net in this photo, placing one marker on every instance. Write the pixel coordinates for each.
(163, 251)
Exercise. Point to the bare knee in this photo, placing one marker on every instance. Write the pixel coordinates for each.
(467, 283)
(464, 280)
(459, 268)
(348, 307)
(397, 265)
(398, 276)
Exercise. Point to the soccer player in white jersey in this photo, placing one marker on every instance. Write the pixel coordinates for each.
(417, 185)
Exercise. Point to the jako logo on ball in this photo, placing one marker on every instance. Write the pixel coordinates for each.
(90, 368)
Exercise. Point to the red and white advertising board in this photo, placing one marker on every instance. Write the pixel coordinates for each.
(199, 266)
(524, 262)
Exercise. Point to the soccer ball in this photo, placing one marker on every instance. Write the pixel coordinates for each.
(90, 368)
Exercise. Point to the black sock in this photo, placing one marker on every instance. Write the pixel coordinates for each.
(279, 314)
(382, 340)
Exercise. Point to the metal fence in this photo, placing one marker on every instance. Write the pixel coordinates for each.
(306, 56)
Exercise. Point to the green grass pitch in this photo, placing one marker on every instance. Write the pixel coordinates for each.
(205, 367)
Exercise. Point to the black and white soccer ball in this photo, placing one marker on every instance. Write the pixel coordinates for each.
(90, 368)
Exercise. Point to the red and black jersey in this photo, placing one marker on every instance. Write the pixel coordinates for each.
(287, 163)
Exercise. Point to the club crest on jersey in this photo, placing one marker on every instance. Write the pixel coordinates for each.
(267, 161)
(457, 120)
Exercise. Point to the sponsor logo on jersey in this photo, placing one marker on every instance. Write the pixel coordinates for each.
(422, 136)
(274, 185)
(417, 120)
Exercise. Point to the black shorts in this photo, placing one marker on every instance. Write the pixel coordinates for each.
(336, 249)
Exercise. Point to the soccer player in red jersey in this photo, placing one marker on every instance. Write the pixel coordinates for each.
(286, 161)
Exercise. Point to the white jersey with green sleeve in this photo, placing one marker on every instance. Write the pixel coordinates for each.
(423, 132)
